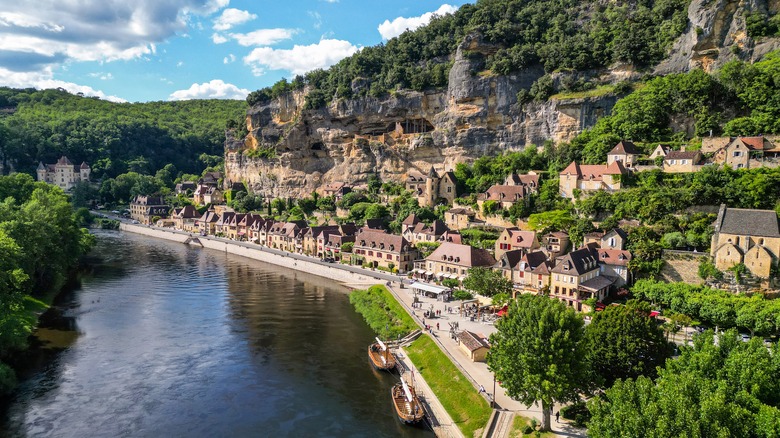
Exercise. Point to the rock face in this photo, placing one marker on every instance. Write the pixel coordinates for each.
(716, 34)
(478, 114)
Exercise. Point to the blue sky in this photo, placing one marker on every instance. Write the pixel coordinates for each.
(146, 50)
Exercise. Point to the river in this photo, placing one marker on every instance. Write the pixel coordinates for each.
(171, 340)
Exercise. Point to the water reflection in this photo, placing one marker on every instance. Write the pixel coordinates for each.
(178, 341)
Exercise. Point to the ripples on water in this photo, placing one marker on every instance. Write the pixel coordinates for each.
(180, 341)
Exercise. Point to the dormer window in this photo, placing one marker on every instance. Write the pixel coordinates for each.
(392, 247)
(604, 255)
(622, 257)
(444, 257)
(457, 259)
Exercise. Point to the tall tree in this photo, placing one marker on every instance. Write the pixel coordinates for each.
(537, 353)
(487, 282)
(624, 342)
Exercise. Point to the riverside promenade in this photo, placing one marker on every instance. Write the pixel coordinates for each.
(354, 276)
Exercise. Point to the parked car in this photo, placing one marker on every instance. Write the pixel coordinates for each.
(745, 337)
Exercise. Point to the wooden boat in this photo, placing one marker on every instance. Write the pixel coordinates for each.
(407, 405)
(380, 356)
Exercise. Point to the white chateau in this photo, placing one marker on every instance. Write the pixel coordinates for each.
(63, 174)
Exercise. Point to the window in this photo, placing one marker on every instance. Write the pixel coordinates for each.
(737, 153)
(449, 189)
(683, 161)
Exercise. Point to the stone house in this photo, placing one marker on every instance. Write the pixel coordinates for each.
(311, 236)
(624, 152)
(615, 238)
(529, 272)
(453, 260)
(451, 236)
(332, 243)
(184, 218)
(429, 189)
(63, 173)
(207, 194)
(576, 277)
(515, 238)
(377, 248)
(473, 345)
(425, 233)
(145, 208)
(682, 162)
(590, 177)
(505, 196)
(529, 181)
(207, 223)
(746, 236)
(259, 231)
(222, 227)
(458, 218)
(184, 187)
(737, 152)
(659, 151)
(336, 189)
(613, 263)
(555, 244)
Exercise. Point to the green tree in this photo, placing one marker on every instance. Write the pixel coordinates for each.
(487, 282)
(624, 342)
(279, 205)
(537, 353)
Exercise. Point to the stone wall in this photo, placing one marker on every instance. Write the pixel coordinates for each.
(682, 266)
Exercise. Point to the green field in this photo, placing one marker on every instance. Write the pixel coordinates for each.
(468, 409)
(382, 312)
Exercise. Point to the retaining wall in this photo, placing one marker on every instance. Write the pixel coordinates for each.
(256, 253)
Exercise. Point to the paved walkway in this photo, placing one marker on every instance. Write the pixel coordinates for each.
(477, 372)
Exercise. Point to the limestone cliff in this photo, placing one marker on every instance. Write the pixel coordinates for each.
(477, 114)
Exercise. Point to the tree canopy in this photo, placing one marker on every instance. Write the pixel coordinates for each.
(537, 353)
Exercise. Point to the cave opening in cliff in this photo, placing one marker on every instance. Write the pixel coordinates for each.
(317, 146)
(411, 126)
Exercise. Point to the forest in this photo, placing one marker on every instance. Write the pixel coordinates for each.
(41, 240)
(556, 34)
(113, 138)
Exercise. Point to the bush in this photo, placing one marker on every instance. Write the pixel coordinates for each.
(382, 312)
(528, 430)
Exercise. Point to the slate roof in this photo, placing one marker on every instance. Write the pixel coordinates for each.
(460, 210)
(503, 193)
(576, 262)
(374, 239)
(411, 220)
(747, 222)
(525, 180)
(510, 259)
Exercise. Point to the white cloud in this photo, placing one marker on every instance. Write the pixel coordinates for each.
(219, 39)
(43, 80)
(263, 37)
(390, 29)
(232, 17)
(102, 76)
(215, 89)
(180, 63)
(299, 59)
(36, 34)
(229, 59)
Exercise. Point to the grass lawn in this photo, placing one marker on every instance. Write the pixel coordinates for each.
(461, 400)
(519, 423)
(382, 312)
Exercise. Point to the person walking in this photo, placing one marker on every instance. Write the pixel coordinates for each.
(557, 416)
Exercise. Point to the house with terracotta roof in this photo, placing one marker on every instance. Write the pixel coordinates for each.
(590, 178)
(451, 236)
(515, 238)
(505, 196)
(336, 189)
(145, 208)
(377, 248)
(259, 231)
(453, 260)
(529, 180)
(474, 346)
(625, 152)
(739, 151)
(332, 242)
(682, 161)
(577, 277)
(746, 236)
(311, 237)
(430, 189)
(615, 238)
(459, 218)
(63, 174)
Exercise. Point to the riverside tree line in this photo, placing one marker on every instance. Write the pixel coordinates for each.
(41, 241)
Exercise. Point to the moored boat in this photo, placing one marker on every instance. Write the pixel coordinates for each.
(380, 356)
(407, 405)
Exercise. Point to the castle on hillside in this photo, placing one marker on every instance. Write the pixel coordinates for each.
(63, 174)
(428, 190)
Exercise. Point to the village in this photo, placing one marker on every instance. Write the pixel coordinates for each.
(585, 274)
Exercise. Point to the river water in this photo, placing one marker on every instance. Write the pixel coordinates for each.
(170, 340)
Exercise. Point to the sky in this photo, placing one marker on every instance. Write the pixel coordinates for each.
(152, 50)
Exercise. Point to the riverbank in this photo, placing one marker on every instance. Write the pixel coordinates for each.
(351, 276)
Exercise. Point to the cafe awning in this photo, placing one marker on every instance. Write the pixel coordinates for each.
(429, 288)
